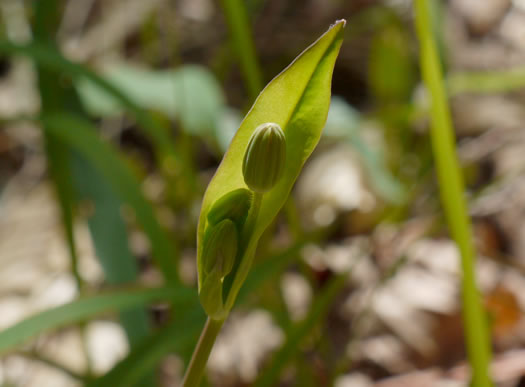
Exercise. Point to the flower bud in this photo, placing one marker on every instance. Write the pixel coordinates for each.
(264, 160)
(235, 205)
(210, 295)
(219, 248)
(216, 261)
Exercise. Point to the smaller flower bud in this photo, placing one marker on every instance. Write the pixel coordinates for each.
(264, 160)
(210, 295)
(219, 248)
(216, 261)
(234, 205)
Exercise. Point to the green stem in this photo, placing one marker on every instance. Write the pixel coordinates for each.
(212, 327)
(201, 353)
(242, 42)
(247, 230)
(452, 197)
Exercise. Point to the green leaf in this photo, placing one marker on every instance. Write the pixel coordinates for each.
(391, 70)
(57, 98)
(190, 93)
(298, 101)
(51, 59)
(83, 309)
(109, 234)
(81, 136)
(58, 159)
(241, 40)
(57, 95)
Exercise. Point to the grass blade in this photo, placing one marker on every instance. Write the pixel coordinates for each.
(109, 235)
(486, 82)
(58, 163)
(57, 155)
(242, 42)
(80, 135)
(82, 309)
(452, 197)
(51, 59)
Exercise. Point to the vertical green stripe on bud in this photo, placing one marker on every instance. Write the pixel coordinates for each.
(264, 160)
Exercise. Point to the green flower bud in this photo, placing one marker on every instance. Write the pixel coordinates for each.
(264, 160)
(219, 248)
(235, 205)
(216, 261)
(210, 295)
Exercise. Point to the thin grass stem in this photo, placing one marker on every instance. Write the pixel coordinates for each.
(242, 42)
(451, 188)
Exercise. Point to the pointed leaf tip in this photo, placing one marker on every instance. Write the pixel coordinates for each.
(341, 21)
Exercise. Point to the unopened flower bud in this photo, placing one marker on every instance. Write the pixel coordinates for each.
(235, 205)
(219, 248)
(210, 295)
(264, 160)
(217, 259)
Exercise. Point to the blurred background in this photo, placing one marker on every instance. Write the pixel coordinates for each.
(114, 116)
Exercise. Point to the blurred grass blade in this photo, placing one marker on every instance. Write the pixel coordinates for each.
(190, 94)
(51, 59)
(486, 82)
(299, 331)
(57, 155)
(81, 136)
(147, 355)
(58, 163)
(109, 235)
(451, 189)
(83, 309)
(242, 42)
(391, 70)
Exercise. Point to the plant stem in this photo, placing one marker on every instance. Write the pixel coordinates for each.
(249, 225)
(212, 327)
(451, 191)
(201, 353)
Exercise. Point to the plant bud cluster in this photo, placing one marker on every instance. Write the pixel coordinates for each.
(263, 166)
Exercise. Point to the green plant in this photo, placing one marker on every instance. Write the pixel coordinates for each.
(297, 101)
(451, 190)
(242, 42)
